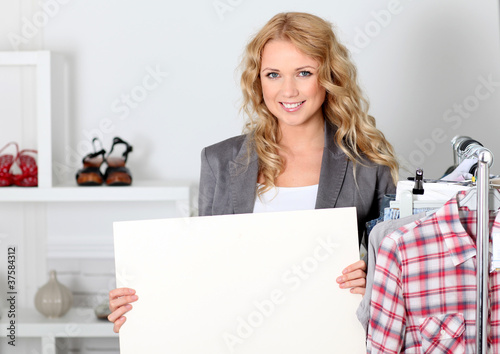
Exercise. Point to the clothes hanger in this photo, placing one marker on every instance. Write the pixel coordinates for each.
(406, 204)
(470, 199)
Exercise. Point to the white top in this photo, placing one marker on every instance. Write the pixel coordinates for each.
(287, 199)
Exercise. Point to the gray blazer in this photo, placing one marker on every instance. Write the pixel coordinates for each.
(228, 181)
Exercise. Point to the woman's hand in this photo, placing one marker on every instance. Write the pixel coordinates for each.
(119, 304)
(354, 277)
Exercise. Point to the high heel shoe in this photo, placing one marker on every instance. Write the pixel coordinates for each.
(116, 173)
(6, 162)
(29, 169)
(90, 174)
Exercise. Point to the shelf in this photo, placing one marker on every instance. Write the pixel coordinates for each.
(139, 191)
(77, 323)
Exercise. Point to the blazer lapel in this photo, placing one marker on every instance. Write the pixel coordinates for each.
(243, 172)
(333, 170)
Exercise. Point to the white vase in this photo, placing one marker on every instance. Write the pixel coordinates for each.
(53, 299)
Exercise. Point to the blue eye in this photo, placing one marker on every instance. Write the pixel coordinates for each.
(305, 73)
(272, 75)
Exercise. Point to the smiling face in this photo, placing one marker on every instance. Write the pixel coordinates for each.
(290, 84)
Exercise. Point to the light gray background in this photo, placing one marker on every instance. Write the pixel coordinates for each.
(424, 59)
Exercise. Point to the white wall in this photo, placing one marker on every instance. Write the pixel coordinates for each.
(415, 65)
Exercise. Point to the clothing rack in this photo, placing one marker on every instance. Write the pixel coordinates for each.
(465, 147)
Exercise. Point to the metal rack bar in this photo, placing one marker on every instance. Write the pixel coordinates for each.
(464, 147)
(482, 257)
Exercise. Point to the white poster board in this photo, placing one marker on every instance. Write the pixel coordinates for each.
(251, 283)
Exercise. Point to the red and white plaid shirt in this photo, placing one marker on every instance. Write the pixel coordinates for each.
(424, 290)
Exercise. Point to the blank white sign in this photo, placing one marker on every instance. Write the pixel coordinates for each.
(251, 283)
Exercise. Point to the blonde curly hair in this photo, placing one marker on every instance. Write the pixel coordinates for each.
(344, 105)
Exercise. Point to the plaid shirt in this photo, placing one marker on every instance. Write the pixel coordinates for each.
(424, 291)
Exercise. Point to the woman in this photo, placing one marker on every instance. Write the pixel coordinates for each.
(309, 141)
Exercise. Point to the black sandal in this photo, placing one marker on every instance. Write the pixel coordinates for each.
(116, 173)
(90, 174)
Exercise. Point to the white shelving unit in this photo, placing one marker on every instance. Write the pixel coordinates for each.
(139, 191)
(38, 202)
(77, 323)
(41, 61)
(47, 191)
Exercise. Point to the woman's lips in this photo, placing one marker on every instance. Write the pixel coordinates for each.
(291, 106)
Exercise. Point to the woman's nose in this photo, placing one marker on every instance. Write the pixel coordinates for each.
(289, 88)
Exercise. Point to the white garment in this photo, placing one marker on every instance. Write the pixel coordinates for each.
(287, 199)
(461, 173)
(432, 191)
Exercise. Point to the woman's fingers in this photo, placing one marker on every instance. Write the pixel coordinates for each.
(119, 304)
(121, 301)
(360, 291)
(120, 292)
(120, 297)
(357, 274)
(355, 266)
(118, 324)
(354, 277)
(119, 312)
(361, 282)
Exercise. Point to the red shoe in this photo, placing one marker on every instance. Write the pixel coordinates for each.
(6, 161)
(29, 169)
